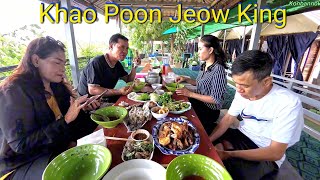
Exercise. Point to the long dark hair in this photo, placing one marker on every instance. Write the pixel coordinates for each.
(43, 47)
(212, 41)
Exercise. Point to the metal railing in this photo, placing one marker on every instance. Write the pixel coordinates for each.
(308, 95)
(6, 69)
(10, 68)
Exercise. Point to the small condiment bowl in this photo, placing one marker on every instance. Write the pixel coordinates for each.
(158, 116)
(140, 135)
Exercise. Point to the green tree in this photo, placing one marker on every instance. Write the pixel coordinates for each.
(13, 44)
(90, 51)
(181, 37)
(142, 35)
(10, 52)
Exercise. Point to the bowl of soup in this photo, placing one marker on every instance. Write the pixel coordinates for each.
(196, 167)
(114, 114)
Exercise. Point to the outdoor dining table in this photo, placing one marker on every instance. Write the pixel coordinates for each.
(206, 148)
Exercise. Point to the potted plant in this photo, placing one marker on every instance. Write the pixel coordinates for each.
(194, 63)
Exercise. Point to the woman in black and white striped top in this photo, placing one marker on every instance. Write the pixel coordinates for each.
(211, 83)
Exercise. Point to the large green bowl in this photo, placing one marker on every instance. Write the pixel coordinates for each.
(84, 162)
(173, 86)
(110, 111)
(198, 165)
(137, 87)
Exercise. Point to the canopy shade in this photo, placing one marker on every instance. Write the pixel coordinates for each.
(291, 9)
(171, 31)
(175, 29)
(208, 29)
(295, 24)
(299, 23)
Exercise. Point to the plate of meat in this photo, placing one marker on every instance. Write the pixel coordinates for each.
(175, 136)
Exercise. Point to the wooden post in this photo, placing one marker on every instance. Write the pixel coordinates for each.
(162, 48)
(151, 47)
(172, 43)
(202, 29)
(224, 40)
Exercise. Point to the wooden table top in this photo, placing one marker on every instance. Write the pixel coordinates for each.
(116, 147)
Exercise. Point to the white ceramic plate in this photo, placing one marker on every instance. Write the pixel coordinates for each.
(182, 111)
(137, 169)
(132, 96)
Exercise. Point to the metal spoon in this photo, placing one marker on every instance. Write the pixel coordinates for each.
(158, 87)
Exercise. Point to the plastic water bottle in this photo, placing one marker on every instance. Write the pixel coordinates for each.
(129, 58)
(165, 69)
(165, 65)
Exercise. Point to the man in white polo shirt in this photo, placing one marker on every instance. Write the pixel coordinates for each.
(272, 120)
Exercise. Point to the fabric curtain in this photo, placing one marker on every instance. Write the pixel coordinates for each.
(278, 48)
(298, 44)
(234, 45)
(191, 47)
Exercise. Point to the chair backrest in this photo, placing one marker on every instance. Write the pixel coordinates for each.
(186, 56)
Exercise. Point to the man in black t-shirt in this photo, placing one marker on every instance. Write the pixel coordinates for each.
(104, 71)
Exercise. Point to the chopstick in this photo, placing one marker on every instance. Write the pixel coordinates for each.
(117, 138)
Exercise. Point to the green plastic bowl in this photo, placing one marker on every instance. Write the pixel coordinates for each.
(198, 165)
(110, 111)
(173, 86)
(137, 88)
(84, 162)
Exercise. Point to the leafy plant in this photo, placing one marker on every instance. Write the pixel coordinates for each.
(13, 45)
(142, 35)
(90, 51)
(181, 37)
(194, 60)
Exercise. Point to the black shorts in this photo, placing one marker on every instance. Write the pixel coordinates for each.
(241, 169)
(207, 116)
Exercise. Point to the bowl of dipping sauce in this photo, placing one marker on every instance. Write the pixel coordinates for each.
(140, 135)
